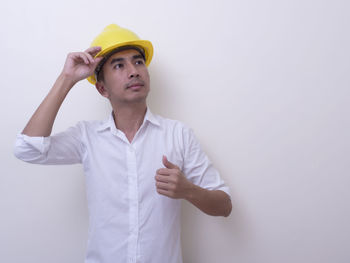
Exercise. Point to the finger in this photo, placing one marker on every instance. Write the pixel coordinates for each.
(168, 164)
(89, 57)
(162, 178)
(83, 57)
(164, 171)
(169, 179)
(97, 60)
(93, 50)
(163, 186)
(163, 192)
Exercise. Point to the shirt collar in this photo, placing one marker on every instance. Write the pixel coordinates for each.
(109, 123)
(149, 116)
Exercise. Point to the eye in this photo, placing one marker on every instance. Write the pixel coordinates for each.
(139, 62)
(118, 65)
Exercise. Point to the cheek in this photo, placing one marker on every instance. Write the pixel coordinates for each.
(146, 76)
(113, 82)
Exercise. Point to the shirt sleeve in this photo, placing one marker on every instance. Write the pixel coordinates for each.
(197, 166)
(61, 148)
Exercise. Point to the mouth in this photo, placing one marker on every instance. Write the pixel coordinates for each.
(135, 85)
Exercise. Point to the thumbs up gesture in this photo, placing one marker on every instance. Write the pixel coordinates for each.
(171, 182)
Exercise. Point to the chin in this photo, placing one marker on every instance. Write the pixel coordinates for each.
(137, 99)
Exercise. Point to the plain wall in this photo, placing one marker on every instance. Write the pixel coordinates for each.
(265, 86)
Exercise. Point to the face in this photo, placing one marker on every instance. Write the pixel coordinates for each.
(126, 79)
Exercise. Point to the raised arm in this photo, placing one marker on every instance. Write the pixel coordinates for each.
(78, 66)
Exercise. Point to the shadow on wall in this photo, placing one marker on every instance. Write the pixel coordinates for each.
(206, 238)
(163, 93)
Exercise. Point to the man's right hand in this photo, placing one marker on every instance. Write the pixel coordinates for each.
(80, 65)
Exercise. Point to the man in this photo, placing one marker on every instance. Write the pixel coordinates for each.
(138, 165)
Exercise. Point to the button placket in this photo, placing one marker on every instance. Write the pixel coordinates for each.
(133, 201)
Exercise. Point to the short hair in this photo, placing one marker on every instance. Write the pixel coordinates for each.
(99, 72)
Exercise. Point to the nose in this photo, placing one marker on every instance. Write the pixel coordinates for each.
(133, 73)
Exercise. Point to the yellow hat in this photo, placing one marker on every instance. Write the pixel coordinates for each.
(113, 37)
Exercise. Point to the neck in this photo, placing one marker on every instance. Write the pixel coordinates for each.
(129, 119)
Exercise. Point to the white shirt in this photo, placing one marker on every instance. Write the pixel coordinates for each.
(128, 220)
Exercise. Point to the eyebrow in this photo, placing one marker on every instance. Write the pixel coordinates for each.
(114, 60)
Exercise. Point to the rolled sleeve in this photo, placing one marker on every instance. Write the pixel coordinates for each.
(61, 148)
(198, 168)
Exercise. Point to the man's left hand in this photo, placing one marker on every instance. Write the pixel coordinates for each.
(171, 182)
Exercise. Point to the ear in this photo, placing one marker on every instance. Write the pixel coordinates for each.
(101, 89)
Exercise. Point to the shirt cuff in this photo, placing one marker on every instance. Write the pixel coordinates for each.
(41, 143)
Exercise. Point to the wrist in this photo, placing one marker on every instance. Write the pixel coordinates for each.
(66, 81)
(190, 194)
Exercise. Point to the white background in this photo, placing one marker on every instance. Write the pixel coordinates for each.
(265, 86)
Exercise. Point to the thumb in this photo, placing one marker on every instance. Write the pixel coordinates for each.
(168, 164)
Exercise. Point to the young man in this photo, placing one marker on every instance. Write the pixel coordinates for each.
(138, 165)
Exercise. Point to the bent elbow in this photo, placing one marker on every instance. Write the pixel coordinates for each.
(228, 206)
(228, 209)
(18, 151)
(27, 152)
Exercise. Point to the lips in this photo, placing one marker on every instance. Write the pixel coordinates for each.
(135, 85)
